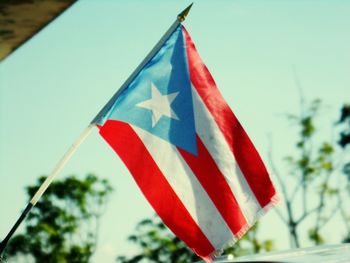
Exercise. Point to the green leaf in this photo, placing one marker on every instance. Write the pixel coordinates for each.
(307, 127)
(54, 226)
(315, 236)
(326, 148)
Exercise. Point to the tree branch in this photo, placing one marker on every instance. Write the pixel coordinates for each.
(332, 214)
(275, 171)
(280, 215)
(305, 215)
(296, 190)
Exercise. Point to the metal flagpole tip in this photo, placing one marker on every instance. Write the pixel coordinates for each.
(182, 16)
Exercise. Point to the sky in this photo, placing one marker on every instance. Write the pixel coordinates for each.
(52, 87)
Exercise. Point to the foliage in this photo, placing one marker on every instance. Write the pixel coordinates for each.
(158, 244)
(315, 183)
(344, 142)
(63, 225)
(345, 120)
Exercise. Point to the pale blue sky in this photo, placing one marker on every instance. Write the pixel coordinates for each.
(53, 86)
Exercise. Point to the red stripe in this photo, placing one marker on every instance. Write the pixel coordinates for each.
(210, 177)
(159, 193)
(244, 151)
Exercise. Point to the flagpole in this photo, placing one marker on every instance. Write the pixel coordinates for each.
(60, 165)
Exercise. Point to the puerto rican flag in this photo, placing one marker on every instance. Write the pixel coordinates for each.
(187, 151)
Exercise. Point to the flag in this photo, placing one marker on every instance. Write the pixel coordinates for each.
(187, 151)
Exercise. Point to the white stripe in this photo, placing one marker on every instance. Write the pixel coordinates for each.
(188, 188)
(218, 148)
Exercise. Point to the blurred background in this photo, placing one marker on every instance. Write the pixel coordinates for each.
(283, 67)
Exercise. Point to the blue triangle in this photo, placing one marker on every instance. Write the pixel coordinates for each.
(168, 70)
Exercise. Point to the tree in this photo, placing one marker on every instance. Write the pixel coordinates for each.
(345, 121)
(63, 226)
(158, 244)
(344, 142)
(315, 189)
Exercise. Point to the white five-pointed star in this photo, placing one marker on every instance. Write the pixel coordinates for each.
(159, 105)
